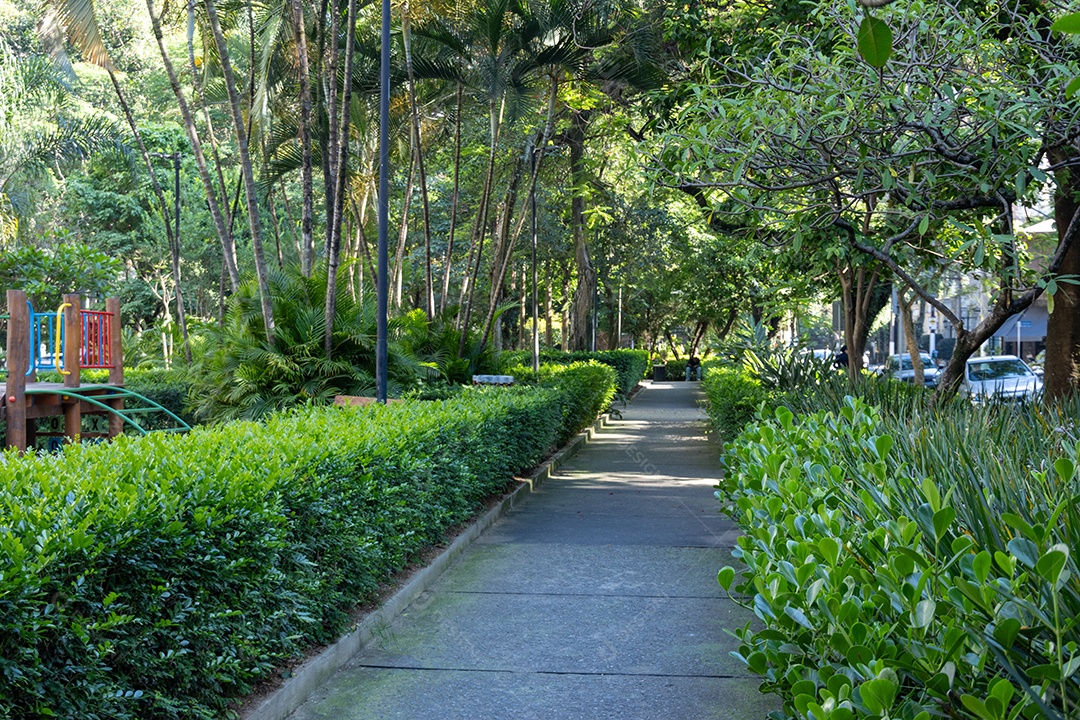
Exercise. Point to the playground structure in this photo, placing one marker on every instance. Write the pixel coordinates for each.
(68, 341)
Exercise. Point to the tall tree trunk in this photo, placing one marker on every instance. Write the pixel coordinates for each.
(224, 235)
(250, 189)
(200, 96)
(307, 242)
(334, 250)
(173, 237)
(418, 151)
(548, 307)
(468, 285)
(1062, 366)
(859, 312)
(503, 255)
(272, 205)
(905, 302)
(397, 275)
(586, 285)
(448, 262)
(331, 152)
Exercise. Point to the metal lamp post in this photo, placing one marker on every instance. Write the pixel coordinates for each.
(535, 301)
(384, 208)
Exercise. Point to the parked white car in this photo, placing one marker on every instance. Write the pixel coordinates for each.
(1000, 377)
(899, 367)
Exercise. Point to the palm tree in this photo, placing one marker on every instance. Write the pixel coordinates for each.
(247, 171)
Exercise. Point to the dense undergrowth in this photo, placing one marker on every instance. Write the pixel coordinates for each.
(162, 576)
(905, 560)
(630, 365)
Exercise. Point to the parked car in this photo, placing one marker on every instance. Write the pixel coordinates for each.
(899, 367)
(999, 377)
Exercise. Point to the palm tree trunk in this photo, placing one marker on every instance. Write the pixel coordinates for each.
(586, 287)
(406, 39)
(250, 189)
(174, 241)
(508, 249)
(200, 95)
(334, 254)
(449, 258)
(227, 245)
(468, 286)
(307, 243)
(397, 276)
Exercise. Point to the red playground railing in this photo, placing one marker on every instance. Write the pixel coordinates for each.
(96, 331)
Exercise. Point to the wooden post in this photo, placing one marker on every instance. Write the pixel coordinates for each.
(72, 350)
(116, 359)
(18, 359)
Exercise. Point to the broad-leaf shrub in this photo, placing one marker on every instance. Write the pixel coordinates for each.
(630, 365)
(159, 577)
(732, 396)
(895, 580)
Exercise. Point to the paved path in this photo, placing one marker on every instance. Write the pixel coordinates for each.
(597, 598)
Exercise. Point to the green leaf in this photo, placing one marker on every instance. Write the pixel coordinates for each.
(1072, 87)
(875, 41)
(883, 445)
(924, 613)
(924, 224)
(932, 494)
(1065, 469)
(878, 694)
(943, 518)
(981, 566)
(830, 549)
(1025, 551)
(1067, 24)
(725, 577)
(1052, 563)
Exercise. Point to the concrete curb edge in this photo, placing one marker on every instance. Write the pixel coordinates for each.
(284, 701)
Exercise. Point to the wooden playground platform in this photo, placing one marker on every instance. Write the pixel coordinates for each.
(68, 341)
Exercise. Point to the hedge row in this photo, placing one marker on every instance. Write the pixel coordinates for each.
(910, 565)
(158, 577)
(732, 396)
(589, 395)
(630, 365)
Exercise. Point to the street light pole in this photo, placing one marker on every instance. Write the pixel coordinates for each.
(384, 207)
(535, 302)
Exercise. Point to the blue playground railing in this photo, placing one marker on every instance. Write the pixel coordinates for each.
(44, 346)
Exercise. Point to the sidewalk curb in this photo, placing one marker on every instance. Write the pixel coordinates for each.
(317, 670)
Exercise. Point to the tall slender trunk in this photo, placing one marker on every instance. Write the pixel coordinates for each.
(200, 96)
(508, 245)
(449, 258)
(397, 276)
(224, 235)
(334, 250)
(586, 286)
(272, 205)
(418, 151)
(468, 286)
(250, 189)
(173, 237)
(548, 306)
(307, 243)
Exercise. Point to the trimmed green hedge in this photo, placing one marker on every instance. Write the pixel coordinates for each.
(588, 389)
(630, 365)
(159, 577)
(732, 397)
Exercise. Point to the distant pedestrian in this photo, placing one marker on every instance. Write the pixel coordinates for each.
(841, 359)
(693, 368)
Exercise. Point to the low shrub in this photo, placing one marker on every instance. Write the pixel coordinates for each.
(587, 389)
(732, 396)
(630, 365)
(676, 369)
(910, 564)
(158, 577)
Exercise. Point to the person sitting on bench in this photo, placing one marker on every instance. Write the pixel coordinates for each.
(693, 368)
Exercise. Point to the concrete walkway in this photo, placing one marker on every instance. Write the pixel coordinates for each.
(595, 599)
